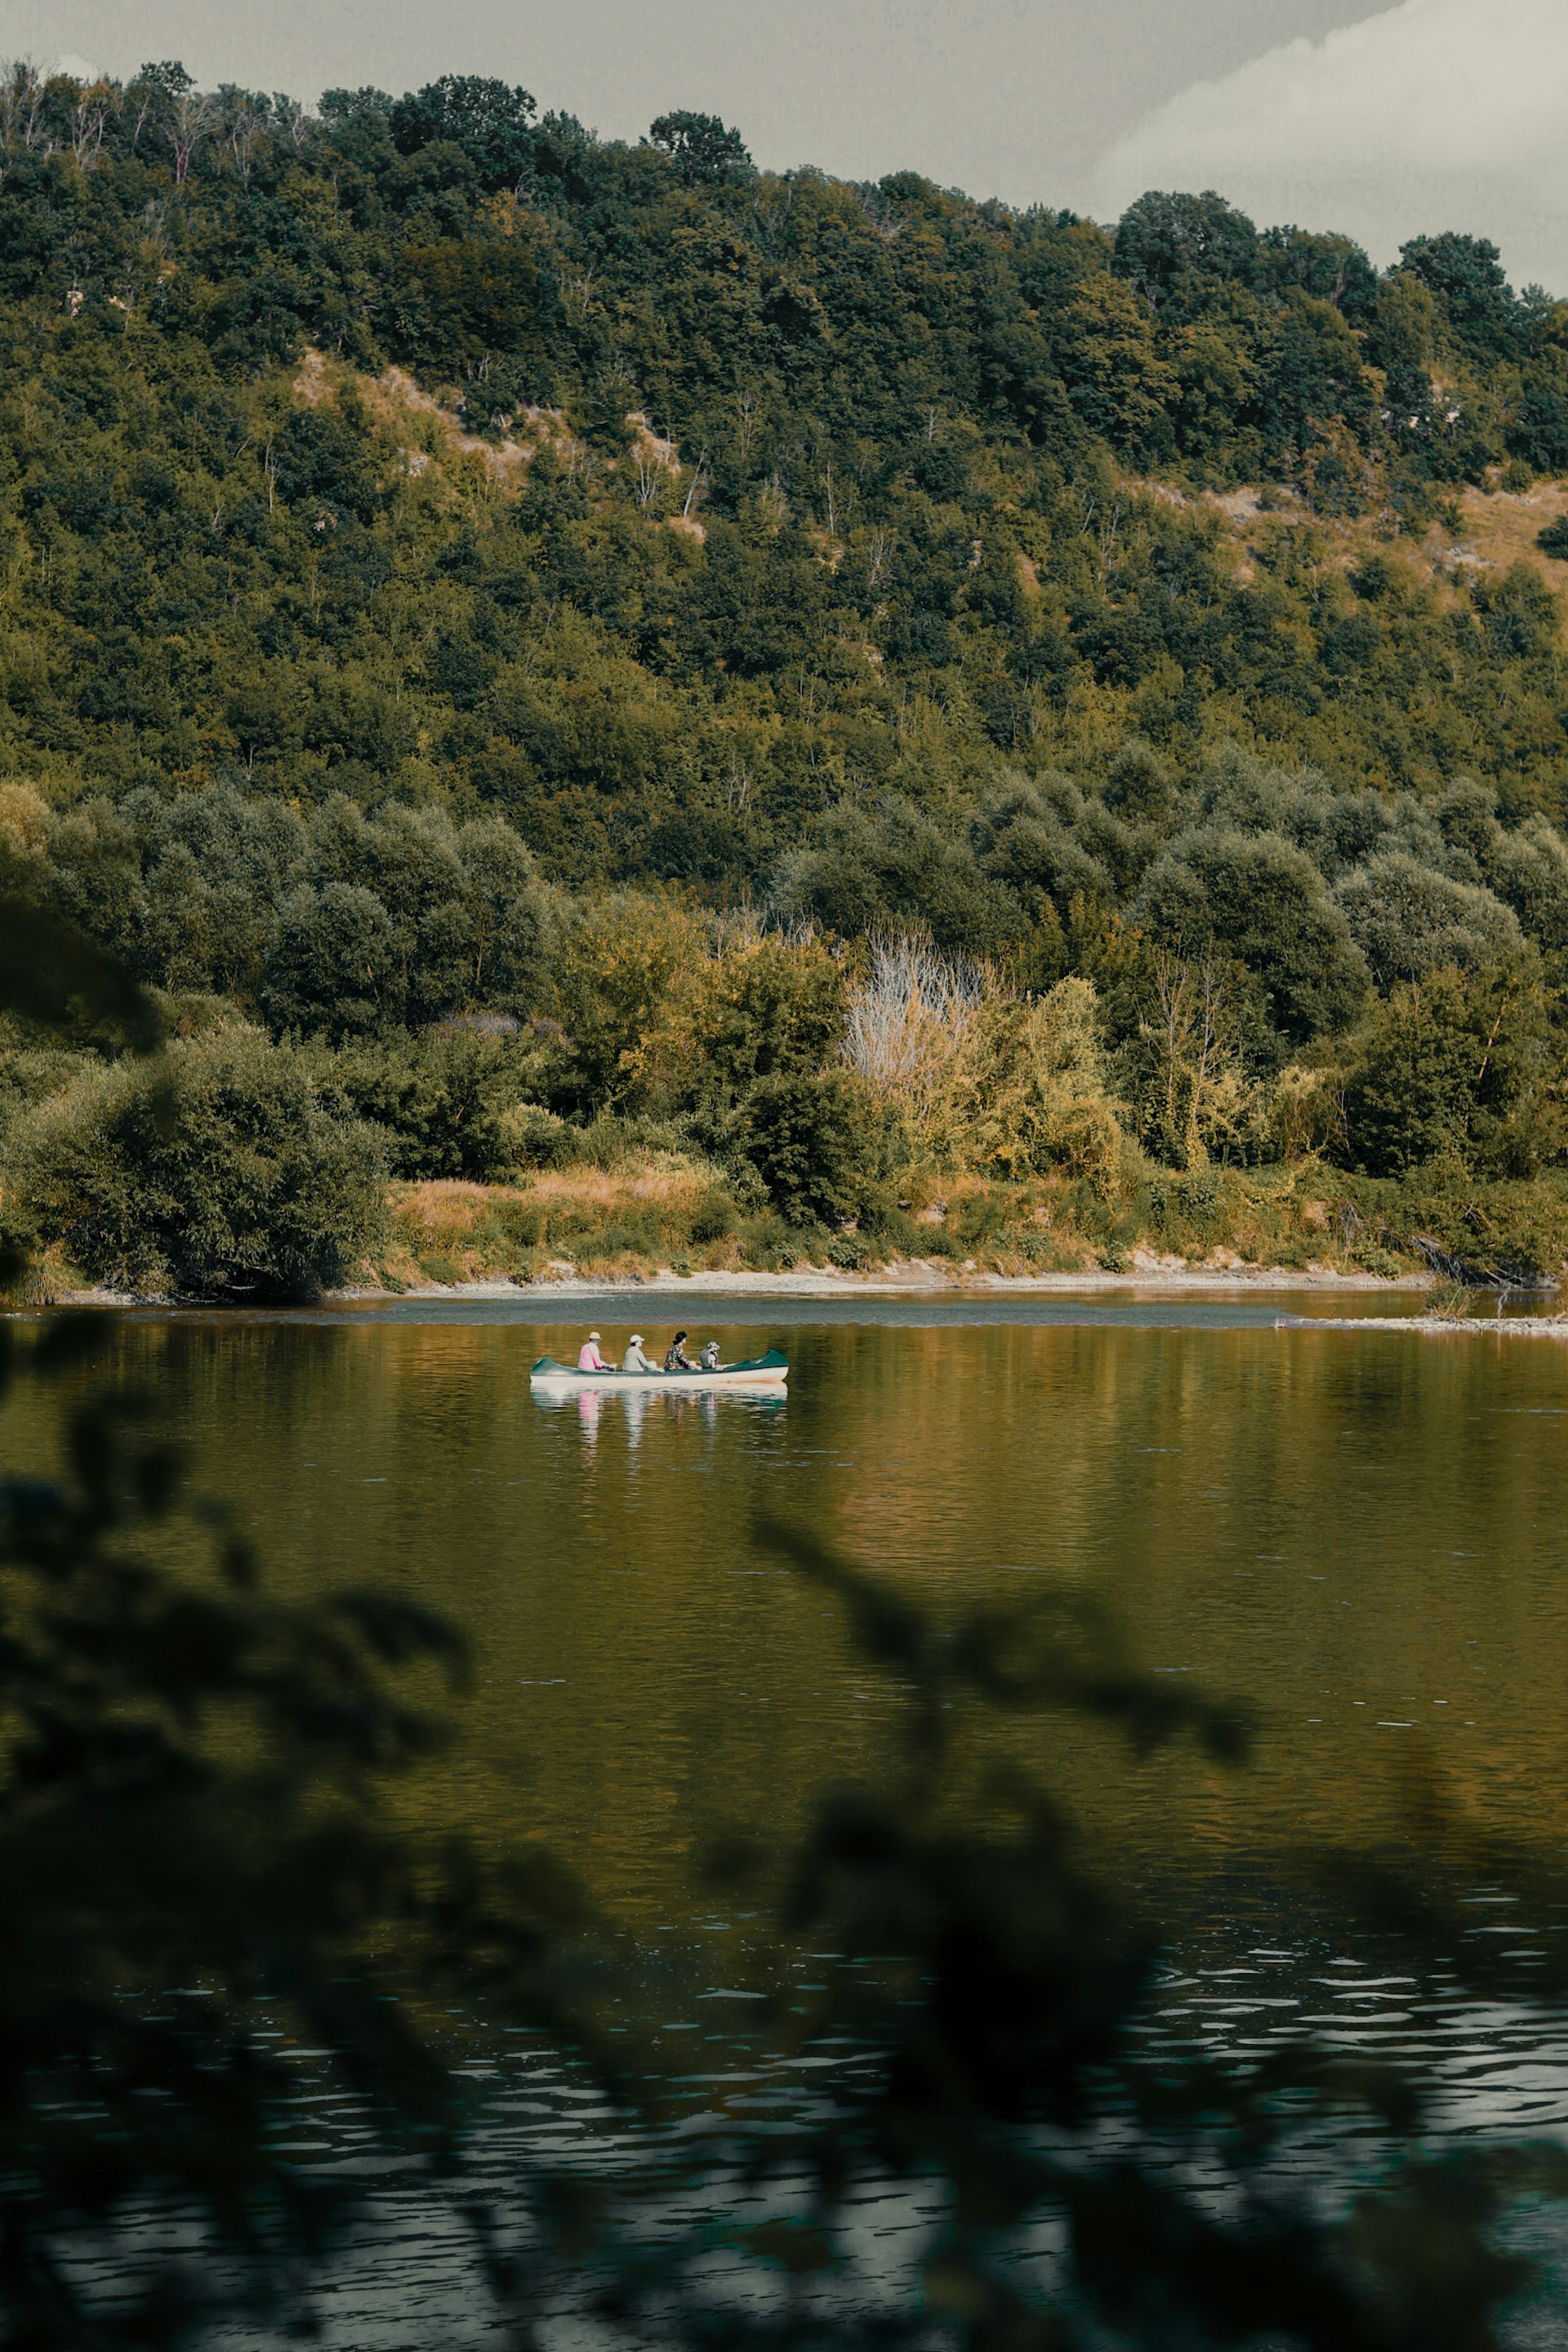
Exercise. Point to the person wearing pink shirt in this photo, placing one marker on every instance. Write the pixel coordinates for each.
(589, 1359)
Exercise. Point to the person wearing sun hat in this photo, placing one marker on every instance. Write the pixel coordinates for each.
(589, 1359)
(634, 1361)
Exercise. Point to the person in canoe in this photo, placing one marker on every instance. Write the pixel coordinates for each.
(634, 1361)
(678, 1361)
(588, 1358)
(710, 1357)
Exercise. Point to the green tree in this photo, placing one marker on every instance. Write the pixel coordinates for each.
(1164, 239)
(1260, 899)
(1467, 274)
(812, 1139)
(1407, 919)
(214, 1173)
(705, 151)
(492, 121)
(1456, 1067)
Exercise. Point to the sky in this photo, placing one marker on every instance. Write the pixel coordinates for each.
(1383, 121)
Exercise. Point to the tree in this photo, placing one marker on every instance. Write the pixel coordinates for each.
(492, 121)
(1193, 1097)
(441, 1103)
(1332, 268)
(472, 296)
(1455, 1067)
(1467, 274)
(332, 965)
(216, 1173)
(706, 153)
(1260, 899)
(812, 1139)
(1540, 433)
(1407, 919)
(865, 871)
(759, 1010)
(1164, 239)
(1027, 1091)
(320, 459)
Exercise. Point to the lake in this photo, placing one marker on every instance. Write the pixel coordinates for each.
(1358, 1539)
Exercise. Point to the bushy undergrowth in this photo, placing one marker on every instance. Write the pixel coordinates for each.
(735, 1099)
(653, 1218)
(215, 1172)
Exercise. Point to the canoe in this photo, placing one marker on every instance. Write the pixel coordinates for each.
(769, 1372)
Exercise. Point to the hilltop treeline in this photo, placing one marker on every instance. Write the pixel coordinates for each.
(423, 520)
(827, 491)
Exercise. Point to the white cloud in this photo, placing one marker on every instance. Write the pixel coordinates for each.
(1437, 114)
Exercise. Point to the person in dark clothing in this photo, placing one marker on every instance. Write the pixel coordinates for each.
(678, 1361)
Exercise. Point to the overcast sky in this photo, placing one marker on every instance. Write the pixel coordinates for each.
(1383, 121)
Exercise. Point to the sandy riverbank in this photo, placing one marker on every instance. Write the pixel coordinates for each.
(912, 1278)
(917, 1277)
(1432, 1327)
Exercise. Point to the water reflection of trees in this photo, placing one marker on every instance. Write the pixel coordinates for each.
(196, 1794)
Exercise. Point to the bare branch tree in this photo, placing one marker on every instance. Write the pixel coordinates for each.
(193, 123)
(908, 1017)
(89, 121)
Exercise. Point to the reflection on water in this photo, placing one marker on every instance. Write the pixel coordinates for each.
(587, 1405)
(1361, 1538)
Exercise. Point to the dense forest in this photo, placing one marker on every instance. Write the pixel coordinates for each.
(870, 719)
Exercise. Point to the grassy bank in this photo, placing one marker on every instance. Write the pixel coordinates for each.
(663, 1212)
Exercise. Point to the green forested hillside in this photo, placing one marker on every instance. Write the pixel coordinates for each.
(426, 524)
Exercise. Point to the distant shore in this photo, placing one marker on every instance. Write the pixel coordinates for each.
(1431, 1327)
(915, 1277)
(907, 1278)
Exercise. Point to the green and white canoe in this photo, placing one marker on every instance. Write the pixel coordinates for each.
(769, 1372)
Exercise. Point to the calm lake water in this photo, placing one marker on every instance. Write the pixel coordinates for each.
(1361, 1538)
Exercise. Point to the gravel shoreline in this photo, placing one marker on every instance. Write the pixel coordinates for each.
(912, 1278)
(1431, 1327)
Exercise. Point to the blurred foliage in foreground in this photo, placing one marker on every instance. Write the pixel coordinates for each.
(199, 1864)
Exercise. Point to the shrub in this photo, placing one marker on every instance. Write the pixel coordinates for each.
(812, 1139)
(535, 1138)
(978, 1219)
(446, 1101)
(893, 1227)
(770, 1243)
(634, 1234)
(1029, 1094)
(518, 1221)
(216, 1172)
(851, 1251)
(713, 1219)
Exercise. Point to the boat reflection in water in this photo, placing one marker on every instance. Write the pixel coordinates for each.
(695, 1406)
